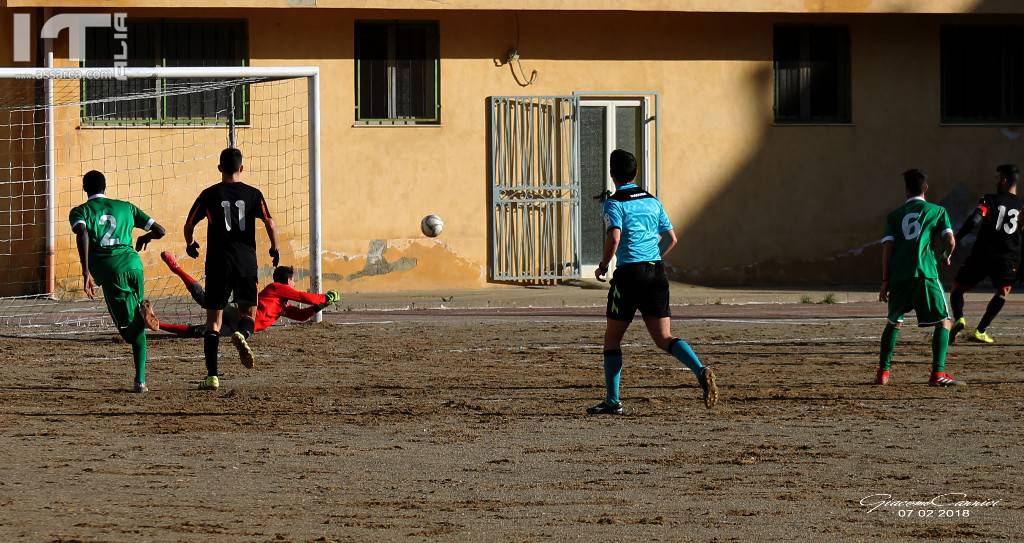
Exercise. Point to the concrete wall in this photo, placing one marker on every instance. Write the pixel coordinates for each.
(753, 203)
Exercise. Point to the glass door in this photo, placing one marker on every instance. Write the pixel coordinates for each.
(606, 125)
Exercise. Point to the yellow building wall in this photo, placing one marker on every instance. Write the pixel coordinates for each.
(752, 202)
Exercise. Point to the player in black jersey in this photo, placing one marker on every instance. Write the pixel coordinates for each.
(231, 207)
(996, 252)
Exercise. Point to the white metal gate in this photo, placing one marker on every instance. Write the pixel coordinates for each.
(535, 184)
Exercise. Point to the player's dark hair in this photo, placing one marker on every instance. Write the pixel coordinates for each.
(915, 180)
(93, 182)
(283, 273)
(623, 166)
(1009, 173)
(230, 160)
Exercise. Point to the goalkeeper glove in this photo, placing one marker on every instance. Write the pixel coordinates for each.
(276, 256)
(193, 249)
(332, 298)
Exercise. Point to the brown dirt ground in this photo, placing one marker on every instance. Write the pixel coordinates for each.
(470, 427)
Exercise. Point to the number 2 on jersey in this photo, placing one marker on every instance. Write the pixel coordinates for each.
(111, 222)
(240, 204)
(1010, 217)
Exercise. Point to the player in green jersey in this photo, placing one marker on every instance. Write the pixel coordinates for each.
(103, 229)
(910, 275)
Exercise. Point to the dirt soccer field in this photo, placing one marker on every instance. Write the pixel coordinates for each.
(469, 426)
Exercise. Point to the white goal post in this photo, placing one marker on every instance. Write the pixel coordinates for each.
(35, 101)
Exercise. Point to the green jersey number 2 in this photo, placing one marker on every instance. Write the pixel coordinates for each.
(107, 240)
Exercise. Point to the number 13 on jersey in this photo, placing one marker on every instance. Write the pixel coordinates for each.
(1007, 220)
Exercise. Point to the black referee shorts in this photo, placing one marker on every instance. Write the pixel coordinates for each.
(221, 285)
(639, 286)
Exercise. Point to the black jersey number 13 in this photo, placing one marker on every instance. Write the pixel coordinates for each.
(1007, 220)
(228, 215)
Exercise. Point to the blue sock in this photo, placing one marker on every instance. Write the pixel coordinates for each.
(682, 351)
(612, 374)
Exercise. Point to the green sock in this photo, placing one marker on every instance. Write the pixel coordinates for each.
(940, 345)
(889, 337)
(135, 335)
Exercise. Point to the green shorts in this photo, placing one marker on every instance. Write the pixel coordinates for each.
(922, 295)
(123, 294)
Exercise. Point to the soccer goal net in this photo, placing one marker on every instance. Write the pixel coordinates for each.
(156, 134)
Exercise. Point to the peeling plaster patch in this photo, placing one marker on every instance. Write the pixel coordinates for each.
(338, 255)
(376, 264)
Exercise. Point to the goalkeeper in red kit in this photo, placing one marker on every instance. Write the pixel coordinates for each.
(272, 303)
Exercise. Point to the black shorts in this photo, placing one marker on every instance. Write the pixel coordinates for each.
(639, 286)
(1001, 271)
(220, 287)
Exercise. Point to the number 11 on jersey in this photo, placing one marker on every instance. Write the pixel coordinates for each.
(240, 204)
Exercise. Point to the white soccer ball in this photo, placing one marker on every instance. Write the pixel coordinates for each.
(431, 225)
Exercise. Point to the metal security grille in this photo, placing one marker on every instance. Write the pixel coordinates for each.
(535, 183)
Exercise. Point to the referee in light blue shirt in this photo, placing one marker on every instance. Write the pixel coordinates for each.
(635, 222)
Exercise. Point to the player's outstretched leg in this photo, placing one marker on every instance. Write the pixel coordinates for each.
(940, 344)
(612, 405)
(193, 286)
(660, 329)
(180, 330)
(886, 352)
(995, 305)
(956, 300)
(183, 330)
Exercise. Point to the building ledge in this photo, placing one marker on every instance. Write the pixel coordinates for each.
(705, 6)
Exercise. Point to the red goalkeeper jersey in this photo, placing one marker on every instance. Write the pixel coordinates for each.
(273, 304)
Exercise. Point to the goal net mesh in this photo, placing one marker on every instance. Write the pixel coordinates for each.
(157, 141)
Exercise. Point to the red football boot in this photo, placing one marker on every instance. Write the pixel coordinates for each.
(943, 379)
(883, 377)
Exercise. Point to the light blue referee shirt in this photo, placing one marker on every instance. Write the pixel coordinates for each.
(641, 218)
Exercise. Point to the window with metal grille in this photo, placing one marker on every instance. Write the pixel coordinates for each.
(812, 74)
(397, 73)
(982, 74)
(166, 42)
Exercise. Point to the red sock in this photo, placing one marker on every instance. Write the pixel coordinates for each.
(178, 329)
(188, 279)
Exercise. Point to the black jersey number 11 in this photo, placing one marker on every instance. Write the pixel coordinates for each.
(240, 204)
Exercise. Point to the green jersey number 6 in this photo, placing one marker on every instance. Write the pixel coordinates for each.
(911, 226)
